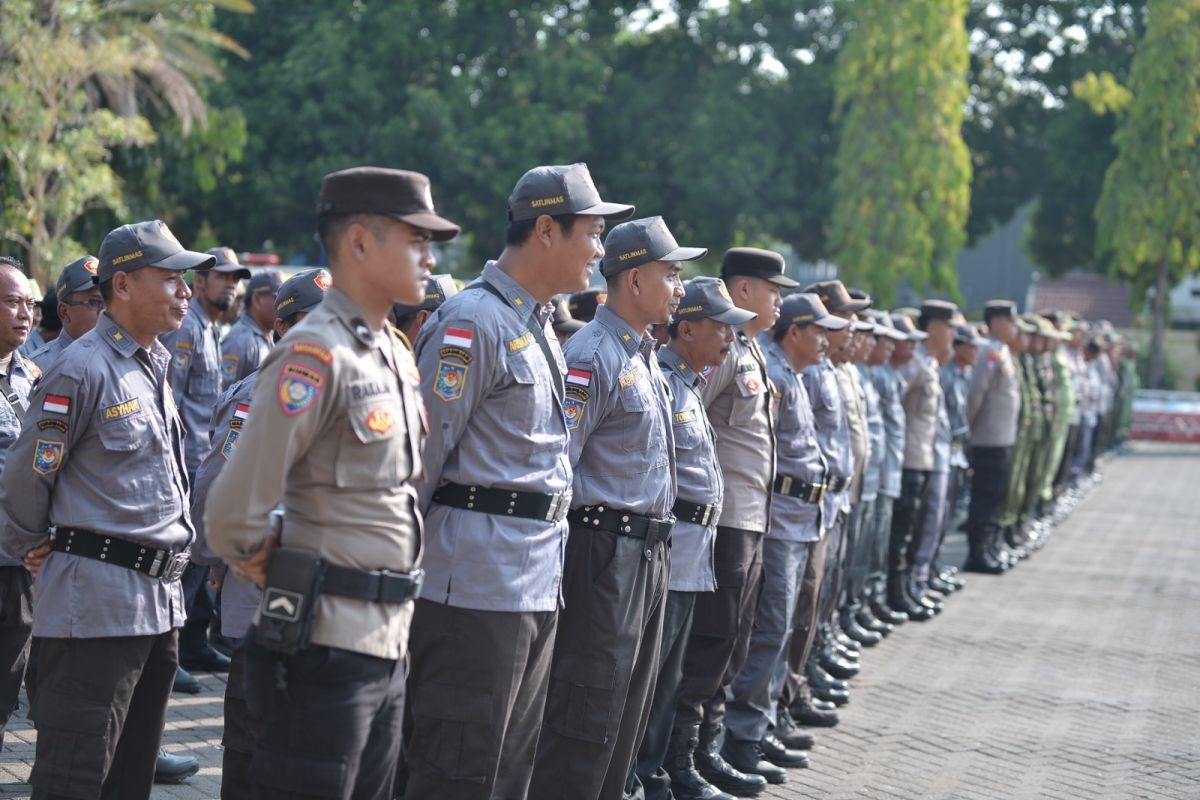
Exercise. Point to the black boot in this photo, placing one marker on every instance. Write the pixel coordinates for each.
(886, 613)
(805, 714)
(748, 757)
(867, 619)
(686, 782)
(714, 769)
(791, 736)
(898, 598)
(864, 636)
(980, 557)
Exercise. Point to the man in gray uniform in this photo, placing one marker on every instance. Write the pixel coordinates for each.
(618, 408)
(239, 598)
(79, 306)
(701, 336)
(410, 319)
(101, 459)
(249, 339)
(496, 492)
(738, 399)
(335, 435)
(993, 405)
(797, 342)
(17, 375)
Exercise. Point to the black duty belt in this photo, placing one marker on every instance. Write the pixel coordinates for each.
(504, 502)
(166, 565)
(377, 586)
(837, 483)
(624, 523)
(794, 487)
(695, 513)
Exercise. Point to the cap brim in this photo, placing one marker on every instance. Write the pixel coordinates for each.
(895, 335)
(853, 307)
(685, 254)
(734, 316)
(568, 326)
(779, 280)
(233, 269)
(79, 287)
(863, 326)
(610, 211)
(442, 229)
(185, 260)
(832, 323)
(916, 336)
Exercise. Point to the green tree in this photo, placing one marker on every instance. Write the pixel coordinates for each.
(75, 75)
(902, 189)
(1148, 216)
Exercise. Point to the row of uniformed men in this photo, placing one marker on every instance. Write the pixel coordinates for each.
(718, 444)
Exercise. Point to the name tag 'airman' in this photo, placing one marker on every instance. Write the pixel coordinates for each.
(122, 409)
(520, 343)
(629, 378)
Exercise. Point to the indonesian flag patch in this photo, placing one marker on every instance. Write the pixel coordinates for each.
(56, 404)
(458, 337)
(242, 411)
(579, 377)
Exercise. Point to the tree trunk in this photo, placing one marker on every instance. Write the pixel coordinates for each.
(1157, 356)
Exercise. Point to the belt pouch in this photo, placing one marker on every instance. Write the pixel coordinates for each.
(294, 579)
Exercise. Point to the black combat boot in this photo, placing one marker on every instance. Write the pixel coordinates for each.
(714, 769)
(686, 782)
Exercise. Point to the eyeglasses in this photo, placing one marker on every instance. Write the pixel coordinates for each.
(94, 303)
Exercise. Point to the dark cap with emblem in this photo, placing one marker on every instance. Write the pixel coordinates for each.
(806, 308)
(265, 281)
(561, 319)
(707, 298)
(1000, 308)
(438, 289)
(583, 305)
(753, 262)
(966, 334)
(905, 325)
(555, 190)
(395, 193)
(836, 298)
(643, 241)
(932, 310)
(227, 261)
(78, 276)
(303, 291)
(146, 244)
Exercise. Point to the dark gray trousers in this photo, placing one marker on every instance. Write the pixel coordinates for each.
(16, 629)
(804, 632)
(241, 732)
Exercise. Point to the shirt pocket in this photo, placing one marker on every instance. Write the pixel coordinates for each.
(204, 380)
(528, 402)
(747, 398)
(135, 433)
(636, 402)
(688, 435)
(373, 450)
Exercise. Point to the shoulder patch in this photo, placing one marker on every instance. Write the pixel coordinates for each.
(579, 377)
(47, 456)
(450, 379)
(229, 366)
(56, 404)
(455, 353)
(458, 337)
(313, 350)
(298, 388)
(573, 406)
(56, 424)
(230, 440)
(31, 367)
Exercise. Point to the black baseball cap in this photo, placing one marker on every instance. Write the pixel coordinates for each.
(583, 305)
(707, 298)
(438, 289)
(561, 320)
(304, 291)
(146, 244)
(966, 334)
(755, 263)
(643, 241)
(555, 190)
(227, 261)
(904, 323)
(806, 308)
(78, 276)
(265, 281)
(395, 193)
(836, 298)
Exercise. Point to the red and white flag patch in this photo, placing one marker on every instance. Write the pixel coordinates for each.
(579, 377)
(242, 411)
(56, 404)
(457, 337)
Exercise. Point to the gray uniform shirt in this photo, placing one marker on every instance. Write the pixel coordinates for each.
(890, 386)
(21, 377)
(46, 355)
(875, 433)
(922, 410)
(242, 350)
(699, 476)
(619, 412)
(994, 399)
(738, 399)
(239, 597)
(833, 433)
(102, 450)
(794, 519)
(494, 421)
(195, 379)
(856, 420)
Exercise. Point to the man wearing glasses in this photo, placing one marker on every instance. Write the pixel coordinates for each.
(79, 306)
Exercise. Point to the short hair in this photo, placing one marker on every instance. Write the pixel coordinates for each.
(990, 314)
(14, 262)
(780, 331)
(331, 228)
(50, 319)
(404, 320)
(518, 232)
(673, 328)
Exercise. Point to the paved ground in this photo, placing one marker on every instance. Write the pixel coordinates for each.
(1075, 676)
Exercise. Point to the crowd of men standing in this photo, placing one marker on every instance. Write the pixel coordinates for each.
(518, 539)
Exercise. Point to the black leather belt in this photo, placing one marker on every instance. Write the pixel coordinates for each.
(504, 502)
(378, 586)
(166, 565)
(794, 487)
(837, 483)
(624, 523)
(695, 513)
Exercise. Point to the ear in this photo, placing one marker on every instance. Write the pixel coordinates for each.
(422, 316)
(64, 312)
(354, 242)
(121, 284)
(543, 229)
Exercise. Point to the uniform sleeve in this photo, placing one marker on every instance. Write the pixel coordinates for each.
(457, 360)
(224, 438)
(182, 344)
(294, 400)
(981, 378)
(59, 409)
(585, 406)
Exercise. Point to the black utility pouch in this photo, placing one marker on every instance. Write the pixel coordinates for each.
(294, 579)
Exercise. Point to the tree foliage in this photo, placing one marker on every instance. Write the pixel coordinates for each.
(902, 186)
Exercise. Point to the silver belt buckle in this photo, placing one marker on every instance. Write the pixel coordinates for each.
(785, 486)
(558, 507)
(173, 569)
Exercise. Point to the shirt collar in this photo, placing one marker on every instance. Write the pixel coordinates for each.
(350, 315)
(119, 339)
(521, 301)
(675, 362)
(633, 341)
(773, 347)
(198, 310)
